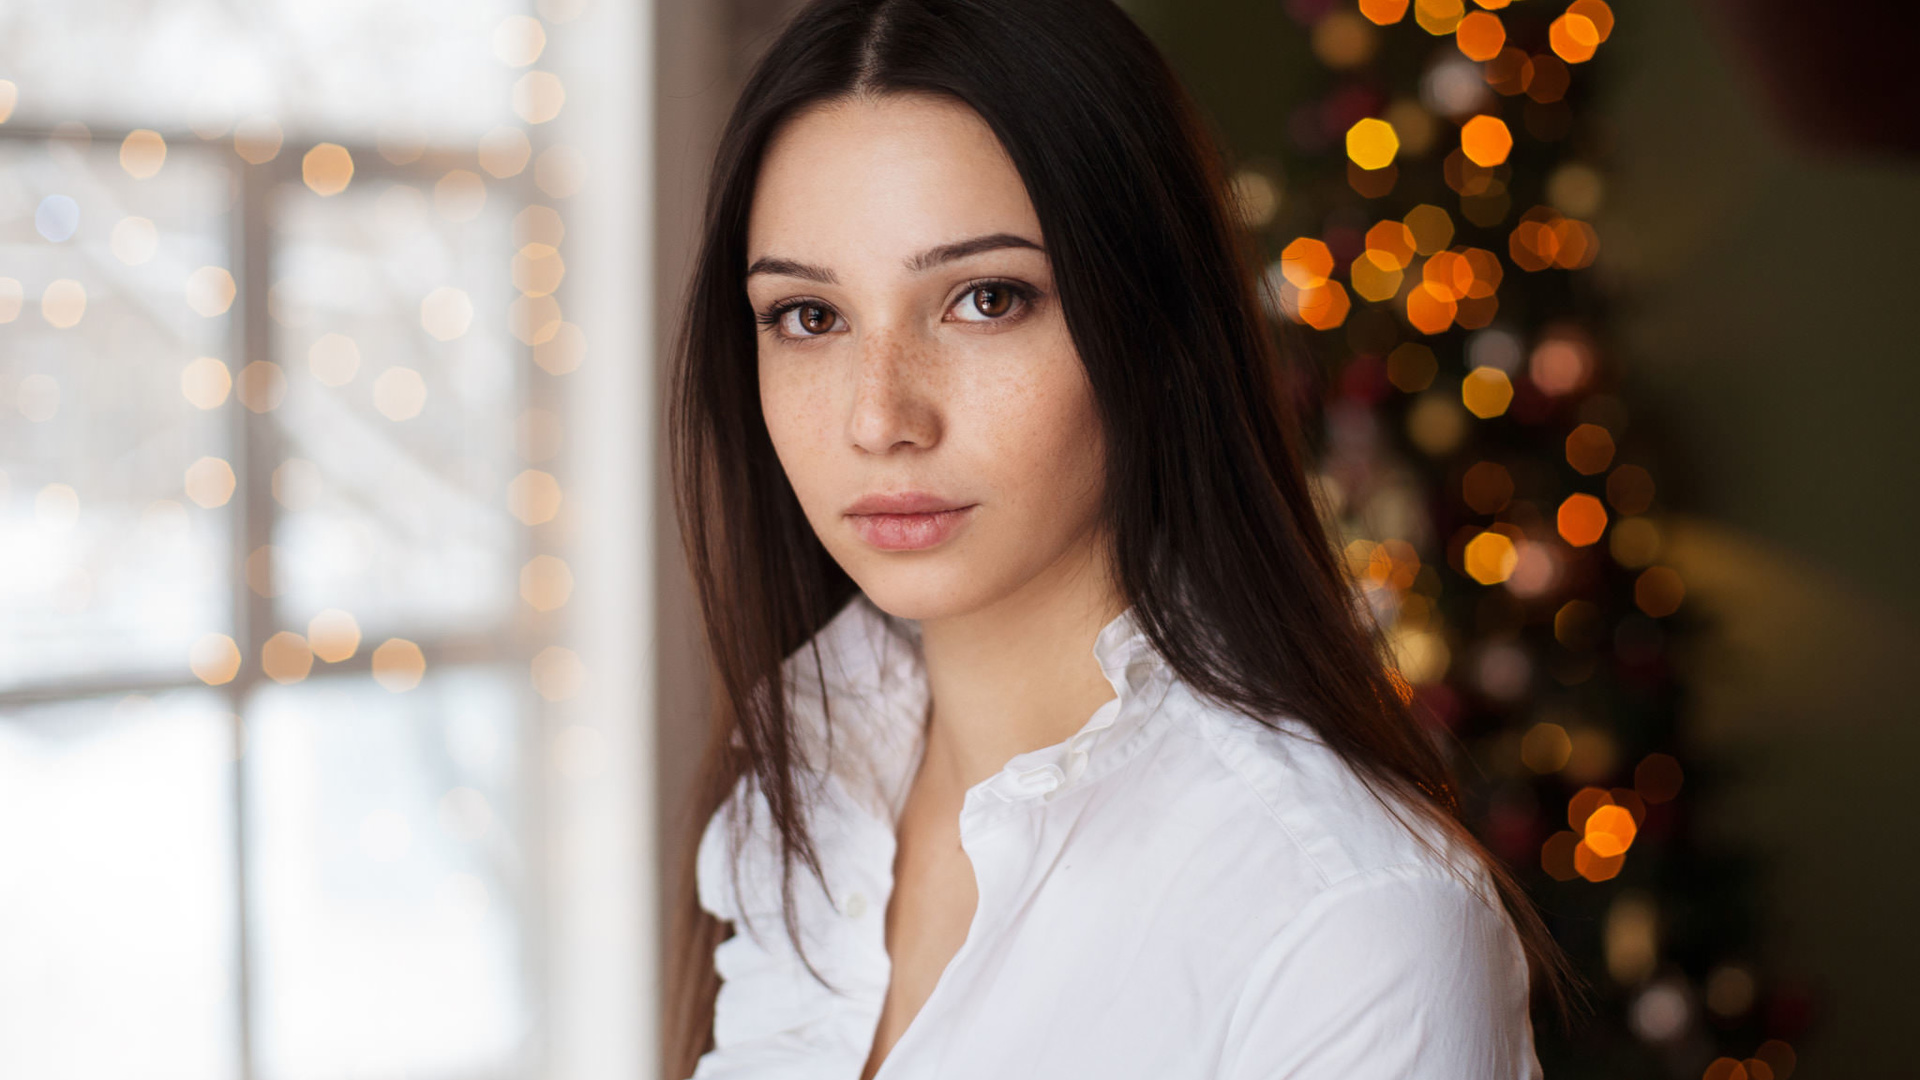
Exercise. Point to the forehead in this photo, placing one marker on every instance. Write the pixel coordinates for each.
(884, 177)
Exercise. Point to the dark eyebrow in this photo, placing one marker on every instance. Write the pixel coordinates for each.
(924, 261)
(947, 253)
(790, 268)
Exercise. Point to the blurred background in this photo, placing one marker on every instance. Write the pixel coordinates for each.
(349, 684)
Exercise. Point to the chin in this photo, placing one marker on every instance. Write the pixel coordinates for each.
(922, 586)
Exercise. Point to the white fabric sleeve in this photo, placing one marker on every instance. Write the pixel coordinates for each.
(1394, 974)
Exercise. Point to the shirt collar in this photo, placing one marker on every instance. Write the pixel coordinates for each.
(874, 676)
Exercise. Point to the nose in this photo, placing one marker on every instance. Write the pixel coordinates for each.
(893, 407)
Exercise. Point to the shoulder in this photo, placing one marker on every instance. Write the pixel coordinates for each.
(1389, 951)
(1319, 814)
(1304, 825)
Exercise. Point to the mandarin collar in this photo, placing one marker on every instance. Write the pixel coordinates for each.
(872, 732)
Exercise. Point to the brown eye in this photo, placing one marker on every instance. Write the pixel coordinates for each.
(809, 320)
(986, 303)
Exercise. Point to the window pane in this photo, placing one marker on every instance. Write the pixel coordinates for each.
(116, 890)
(392, 321)
(344, 66)
(389, 881)
(108, 564)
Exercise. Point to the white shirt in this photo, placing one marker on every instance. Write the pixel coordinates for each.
(1174, 892)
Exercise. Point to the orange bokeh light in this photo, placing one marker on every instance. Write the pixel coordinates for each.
(1307, 263)
(1390, 245)
(1490, 557)
(1582, 520)
(1384, 12)
(1325, 306)
(1583, 804)
(1481, 35)
(1597, 12)
(1443, 274)
(1486, 141)
(1573, 37)
(1430, 309)
(1589, 449)
(1594, 866)
(1610, 830)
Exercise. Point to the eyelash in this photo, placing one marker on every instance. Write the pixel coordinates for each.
(770, 318)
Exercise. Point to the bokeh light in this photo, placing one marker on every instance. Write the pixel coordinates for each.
(1486, 141)
(1432, 229)
(261, 386)
(1372, 143)
(1486, 392)
(459, 195)
(1589, 449)
(534, 497)
(519, 40)
(257, 139)
(134, 241)
(1438, 17)
(1582, 520)
(546, 583)
(1610, 831)
(286, 658)
(205, 382)
(64, 303)
(1545, 749)
(1306, 263)
(446, 313)
(1384, 12)
(333, 635)
(557, 673)
(210, 291)
(214, 659)
(398, 665)
(1431, 308)
(1490, 558)
(399, 393)
(1573, 38)
(209, 482)
(327, 169)
(505, 151)
(1481, 35)
(142, 153)
(538, 96)
(334, 359)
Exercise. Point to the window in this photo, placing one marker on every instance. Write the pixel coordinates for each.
(299, 704)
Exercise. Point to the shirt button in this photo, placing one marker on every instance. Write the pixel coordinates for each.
(855, 906)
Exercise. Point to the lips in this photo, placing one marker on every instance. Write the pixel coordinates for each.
(908, 521)
(906, 502)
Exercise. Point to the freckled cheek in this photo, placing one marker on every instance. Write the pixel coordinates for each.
(798, 414)
(1045, 443)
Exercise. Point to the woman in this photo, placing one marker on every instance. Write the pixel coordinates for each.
(1049, 742)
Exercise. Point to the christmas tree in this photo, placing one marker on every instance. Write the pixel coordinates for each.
(1428, 202)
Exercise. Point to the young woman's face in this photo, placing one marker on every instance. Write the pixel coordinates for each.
(916, 373)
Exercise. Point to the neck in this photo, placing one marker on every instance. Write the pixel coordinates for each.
(1019, 674)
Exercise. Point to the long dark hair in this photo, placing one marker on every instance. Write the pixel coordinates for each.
(1216, 541)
